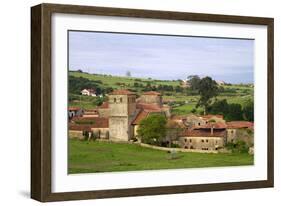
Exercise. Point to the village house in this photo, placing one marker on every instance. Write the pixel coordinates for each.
(89, 92)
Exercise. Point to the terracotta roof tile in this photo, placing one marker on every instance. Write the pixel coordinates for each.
(210, 116)
(74, 108)
(141, 115)
(217, 125)
(240, 125)
(150, 107)
(96, 122)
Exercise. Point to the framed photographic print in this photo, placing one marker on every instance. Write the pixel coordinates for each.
(130, 102)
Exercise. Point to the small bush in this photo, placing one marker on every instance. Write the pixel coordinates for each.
(238, 147)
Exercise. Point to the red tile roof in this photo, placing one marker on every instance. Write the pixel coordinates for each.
(141, 115)
(217, 125)
(96, 122)
(122, 92)
(149, 107)
(204, 133)
(210, 116)
(74, 108)
(152, 93)
(240, 125)
(78, 127)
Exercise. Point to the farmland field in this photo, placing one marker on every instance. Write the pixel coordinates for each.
(95, 156)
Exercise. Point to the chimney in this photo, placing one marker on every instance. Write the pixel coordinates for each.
(212, 129)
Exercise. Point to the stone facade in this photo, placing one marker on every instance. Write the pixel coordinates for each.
(151, 98)
(202, 143)
(122, 109)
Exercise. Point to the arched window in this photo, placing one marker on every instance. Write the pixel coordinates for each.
(114, 99)
(121, 99)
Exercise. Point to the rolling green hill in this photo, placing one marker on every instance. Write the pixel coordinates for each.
(182, 101)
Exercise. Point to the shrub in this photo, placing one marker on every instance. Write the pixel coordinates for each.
(238, 147)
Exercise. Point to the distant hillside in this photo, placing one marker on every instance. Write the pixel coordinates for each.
(114, 81)
(182, 100)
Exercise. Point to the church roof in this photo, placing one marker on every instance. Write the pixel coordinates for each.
(149, 107)
(141, 115)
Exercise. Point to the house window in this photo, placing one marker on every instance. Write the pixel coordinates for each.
(121, 99)
(198, 123)
(207, 140)
(190, 140)
(202, 140)
(114, 99)
(185, 140)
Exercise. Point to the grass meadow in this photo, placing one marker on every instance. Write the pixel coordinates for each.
(95, 156)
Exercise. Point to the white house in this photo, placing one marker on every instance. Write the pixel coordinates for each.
(89, 92)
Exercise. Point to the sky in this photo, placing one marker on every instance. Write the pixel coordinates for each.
(162, 57)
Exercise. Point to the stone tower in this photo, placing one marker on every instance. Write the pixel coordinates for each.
(122, 110)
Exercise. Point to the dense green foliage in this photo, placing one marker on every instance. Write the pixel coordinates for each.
(76, 84)
(232, 111)
(238, 147)
(248, 110)
(152, 129)
(96, 156)
(207, 89)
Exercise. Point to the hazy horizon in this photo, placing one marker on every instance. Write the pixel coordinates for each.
(162, 57)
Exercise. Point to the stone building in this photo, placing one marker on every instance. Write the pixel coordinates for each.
(240, 130)
(203, 139)
(122, 111)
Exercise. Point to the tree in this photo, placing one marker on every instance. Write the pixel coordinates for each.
(248, 110)
(207, 89)
(234, 112)
(194, 80)
(152, 130)
(128, 73)
(219, 107)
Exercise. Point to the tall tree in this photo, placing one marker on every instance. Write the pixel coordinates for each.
(194, 81)
(153, 129)
(128, 74)
(207, 89)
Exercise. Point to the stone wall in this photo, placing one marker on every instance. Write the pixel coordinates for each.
(104, 112)
(73, 134)
(119, 128)
(202, 143)
(151, 99)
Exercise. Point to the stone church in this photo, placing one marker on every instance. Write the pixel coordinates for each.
(119, 117)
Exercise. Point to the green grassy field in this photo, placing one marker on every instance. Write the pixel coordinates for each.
(89, 157)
